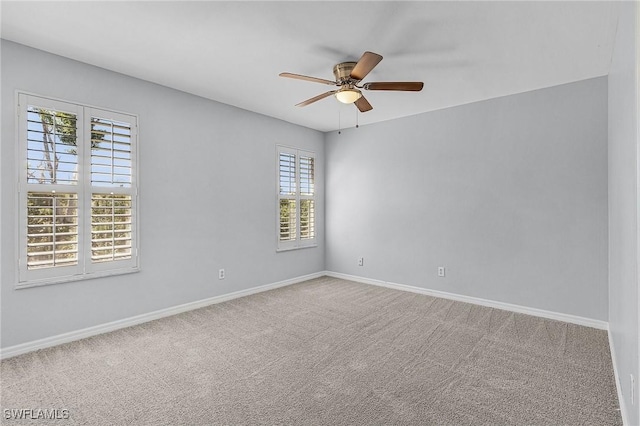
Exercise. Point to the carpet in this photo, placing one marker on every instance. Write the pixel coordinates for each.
(324, 352)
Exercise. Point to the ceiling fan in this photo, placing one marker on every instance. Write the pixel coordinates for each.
(348, 77)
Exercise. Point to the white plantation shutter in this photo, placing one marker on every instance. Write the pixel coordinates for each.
(288, 220)
(111, 227)
(77, 191)
(52, 156)
(306, 175)
(112, 224)
(307, 194)
(110, 153)
(296, 198)
(50, 220)
(287, 173)
(52, 230)
(307, 219)
(288, 229)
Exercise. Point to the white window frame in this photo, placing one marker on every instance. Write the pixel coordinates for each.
(298, 242)
(85, 268)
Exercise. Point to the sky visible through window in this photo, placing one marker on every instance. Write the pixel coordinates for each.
(52, 152)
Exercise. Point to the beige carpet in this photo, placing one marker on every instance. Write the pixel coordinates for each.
(328, 352)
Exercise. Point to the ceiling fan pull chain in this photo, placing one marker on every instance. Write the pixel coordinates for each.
(339, 125)
(357, 115)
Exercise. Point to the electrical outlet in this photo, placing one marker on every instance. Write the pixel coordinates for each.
(221, 274)
(441, 271)
(361, 261)
(633, 389)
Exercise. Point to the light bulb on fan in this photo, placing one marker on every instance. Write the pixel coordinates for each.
(348, 95)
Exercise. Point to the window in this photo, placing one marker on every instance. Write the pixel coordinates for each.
(296, 199)
(77, 192)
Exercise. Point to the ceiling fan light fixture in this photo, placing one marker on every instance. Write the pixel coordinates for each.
(348, 95)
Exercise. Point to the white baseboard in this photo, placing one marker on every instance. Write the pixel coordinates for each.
(139, 319)
(588, 322)
(59, 339)
(621, 402)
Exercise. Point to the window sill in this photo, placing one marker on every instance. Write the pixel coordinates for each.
(72, 278)
(278, 250)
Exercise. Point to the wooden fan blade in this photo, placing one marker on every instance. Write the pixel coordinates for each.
(367, 62)
(307, 78)
(363, 104)
(316, 98)
(407, 86)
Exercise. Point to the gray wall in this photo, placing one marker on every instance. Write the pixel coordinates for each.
(207, 199)
(509, 194)
(623, 205)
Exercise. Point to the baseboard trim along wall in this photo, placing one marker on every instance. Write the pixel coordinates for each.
(588, 322)
(59, 339)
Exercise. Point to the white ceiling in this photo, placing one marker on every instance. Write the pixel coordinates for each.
(232, 52)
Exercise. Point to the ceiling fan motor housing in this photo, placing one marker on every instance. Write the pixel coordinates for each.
(342, 72)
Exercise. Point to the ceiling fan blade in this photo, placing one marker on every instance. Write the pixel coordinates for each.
(363, 104)
(407, 86)
(367, 62)
(307, 78)
(316, 98)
